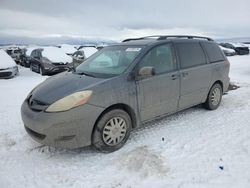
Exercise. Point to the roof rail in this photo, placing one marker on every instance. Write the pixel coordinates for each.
(142, 38)
(164, 37)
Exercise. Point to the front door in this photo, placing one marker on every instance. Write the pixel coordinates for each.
(158, 94)
(35, 60)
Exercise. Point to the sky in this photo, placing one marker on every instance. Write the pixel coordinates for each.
(73, 20)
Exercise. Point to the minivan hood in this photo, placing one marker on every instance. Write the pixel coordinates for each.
(61, 85)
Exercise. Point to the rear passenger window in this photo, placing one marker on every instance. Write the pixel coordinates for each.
(214, 52)
(190, 54)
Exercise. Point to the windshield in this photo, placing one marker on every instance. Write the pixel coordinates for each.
(110, 61)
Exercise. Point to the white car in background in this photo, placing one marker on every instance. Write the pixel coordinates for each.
(228, 51)
(8, 67)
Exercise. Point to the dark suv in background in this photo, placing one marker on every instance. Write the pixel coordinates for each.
(49, 61)
(124, 86)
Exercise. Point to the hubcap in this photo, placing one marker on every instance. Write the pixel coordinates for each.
(114, 131)
(215, 98)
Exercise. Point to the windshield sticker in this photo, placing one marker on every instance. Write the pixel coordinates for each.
(133, 49)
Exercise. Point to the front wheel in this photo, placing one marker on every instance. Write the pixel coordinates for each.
(112, 131)
(41, 70)
(214, 97)
(31, 67)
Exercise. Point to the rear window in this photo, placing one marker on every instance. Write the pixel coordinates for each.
(190, 54)
(214, 52)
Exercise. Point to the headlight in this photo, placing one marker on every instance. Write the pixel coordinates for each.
(70, 101)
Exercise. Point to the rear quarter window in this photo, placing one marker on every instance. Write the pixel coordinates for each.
(214, 52)
(190, 54)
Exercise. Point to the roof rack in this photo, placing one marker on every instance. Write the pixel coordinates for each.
(164, 37)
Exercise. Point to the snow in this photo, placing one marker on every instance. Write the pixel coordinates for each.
(30, 49)
(193, 148)
(5, 60)
(55, 54)
(68, 49)
(88, 51)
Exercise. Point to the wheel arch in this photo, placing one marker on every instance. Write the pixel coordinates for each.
(124, 107)
(218, 82)
(215, 82)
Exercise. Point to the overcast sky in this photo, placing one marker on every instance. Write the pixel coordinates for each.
(119, 19)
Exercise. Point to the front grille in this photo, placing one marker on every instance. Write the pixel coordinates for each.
(36, 105)
(35, 134)
(60, 64)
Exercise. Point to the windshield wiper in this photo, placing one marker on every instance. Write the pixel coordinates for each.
(84, 73)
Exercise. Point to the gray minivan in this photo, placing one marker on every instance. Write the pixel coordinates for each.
(123, 86)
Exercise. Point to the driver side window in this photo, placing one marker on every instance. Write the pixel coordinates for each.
(35, 54)
(160, 58)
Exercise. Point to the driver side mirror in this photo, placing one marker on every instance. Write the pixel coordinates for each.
(146, 72)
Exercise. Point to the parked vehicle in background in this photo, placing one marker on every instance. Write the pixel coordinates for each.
(88, 50)
(123, 86)
(27, 53)
(247, 44)
(16, 53)
(81, 55)
(49, 61)
(228, 51)
(239, 48)
(78, 57)
(8, 67)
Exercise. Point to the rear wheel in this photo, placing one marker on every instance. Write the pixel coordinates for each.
(112, 131)
(214, 97)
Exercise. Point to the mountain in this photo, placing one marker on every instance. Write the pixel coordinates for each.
(52, 40)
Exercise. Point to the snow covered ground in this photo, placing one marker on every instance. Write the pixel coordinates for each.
(193, 148)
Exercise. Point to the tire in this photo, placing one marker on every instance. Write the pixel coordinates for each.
(101, 136)
(214, 97)
(41, 70)
(31, 67)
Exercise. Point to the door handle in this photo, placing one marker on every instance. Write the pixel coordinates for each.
(174, 76)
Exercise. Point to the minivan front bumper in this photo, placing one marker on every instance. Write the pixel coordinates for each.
(69, 129)
(8, 72)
